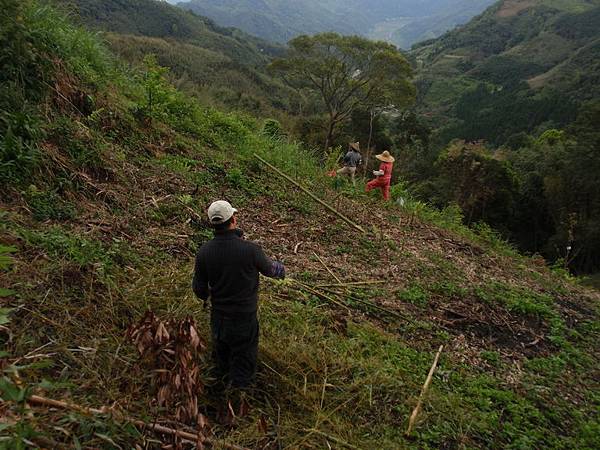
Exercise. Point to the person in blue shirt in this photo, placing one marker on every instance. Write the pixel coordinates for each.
(352, 160)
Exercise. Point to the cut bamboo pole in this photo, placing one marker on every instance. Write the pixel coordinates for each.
(330, 437)
(351, 283)
(328, 269)
(415, 413)
(326, 294)
(310, 194)
(367, 303)
(188, 437)
(319, 294)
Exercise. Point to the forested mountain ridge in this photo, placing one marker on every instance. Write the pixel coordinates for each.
(400, 22)
(223, 64)
(513, 101)
(522, 66)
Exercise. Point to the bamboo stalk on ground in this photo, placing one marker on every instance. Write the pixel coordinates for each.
(328, 269)
(368, 304)
(350, 283)
(415, 413)
(310, 194)
(319, 294)
(187, 437)
(330, 437)
(326, 294)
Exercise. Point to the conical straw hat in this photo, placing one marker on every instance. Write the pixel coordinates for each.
(385, 157)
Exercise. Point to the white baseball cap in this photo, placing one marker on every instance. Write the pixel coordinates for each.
(220, 211)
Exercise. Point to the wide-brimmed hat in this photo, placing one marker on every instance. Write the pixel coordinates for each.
(355, 146)
(385, 157)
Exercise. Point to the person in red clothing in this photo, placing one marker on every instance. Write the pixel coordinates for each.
(384, 174)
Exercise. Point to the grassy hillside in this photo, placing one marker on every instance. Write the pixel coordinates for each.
(106, 173)
(485, 80)
(221, 65)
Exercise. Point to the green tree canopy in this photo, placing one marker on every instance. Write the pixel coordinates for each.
(483, 185)
(346, 71)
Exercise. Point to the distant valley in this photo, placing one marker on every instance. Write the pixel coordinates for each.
(403, 22)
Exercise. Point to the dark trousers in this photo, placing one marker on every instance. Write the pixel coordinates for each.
(235, 346)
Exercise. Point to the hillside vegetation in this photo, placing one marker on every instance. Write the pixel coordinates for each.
(506, 126)
(522, 66)
(105, 176)
(221, 65)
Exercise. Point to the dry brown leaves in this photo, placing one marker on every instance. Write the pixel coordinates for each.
(172, 351)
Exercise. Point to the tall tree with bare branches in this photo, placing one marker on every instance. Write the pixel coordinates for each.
(346, 71)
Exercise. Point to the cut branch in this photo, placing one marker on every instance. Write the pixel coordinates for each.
(310, 194)
(187, 437)
(351, 283)
(328, 269)
(415, 413)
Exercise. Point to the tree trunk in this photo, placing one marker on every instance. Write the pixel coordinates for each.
(366, 163)
(329, 137)
(372, 117)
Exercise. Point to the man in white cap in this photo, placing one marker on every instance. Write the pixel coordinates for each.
(227, 272)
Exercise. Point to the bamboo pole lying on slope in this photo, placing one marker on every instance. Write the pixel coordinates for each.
(188, 437)
(351, 283)
(310, 194)
(328, 269)
(415, 413)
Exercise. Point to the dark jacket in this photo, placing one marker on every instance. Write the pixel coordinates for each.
(227, 269)
(352, 159)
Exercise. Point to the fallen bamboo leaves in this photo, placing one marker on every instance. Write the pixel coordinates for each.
(171, 350)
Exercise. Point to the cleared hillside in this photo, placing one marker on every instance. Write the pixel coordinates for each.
(482, 81)
(106, 173)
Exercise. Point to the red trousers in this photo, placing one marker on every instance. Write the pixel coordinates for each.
(382, 184)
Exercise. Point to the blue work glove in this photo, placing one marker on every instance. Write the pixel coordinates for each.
(278, 270)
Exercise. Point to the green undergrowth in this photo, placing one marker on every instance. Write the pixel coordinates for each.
(105, 196)
(322, 376)
(592, 281)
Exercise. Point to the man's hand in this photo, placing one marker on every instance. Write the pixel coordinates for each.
(278, 270)
(378, 173)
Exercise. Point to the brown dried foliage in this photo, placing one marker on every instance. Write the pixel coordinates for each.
(172, 351)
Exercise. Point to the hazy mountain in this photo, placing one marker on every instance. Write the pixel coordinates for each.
(440, 17)
(276, 20)
(402, 22)
(523, 65)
